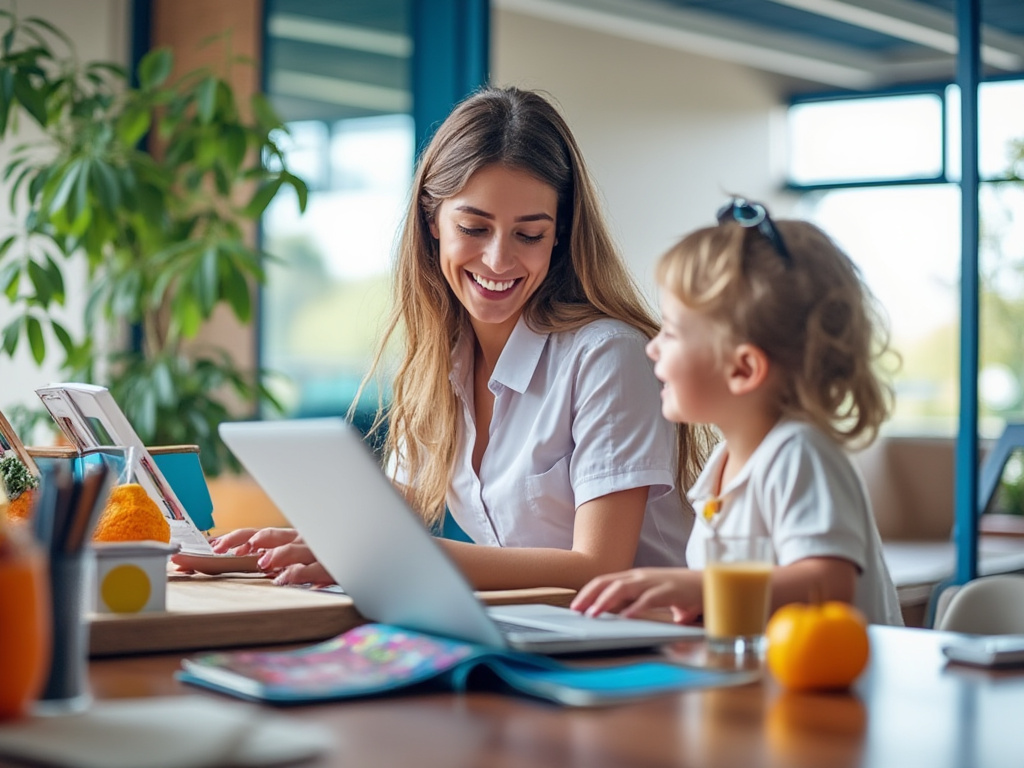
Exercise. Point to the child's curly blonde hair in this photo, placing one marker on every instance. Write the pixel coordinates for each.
(808, 310)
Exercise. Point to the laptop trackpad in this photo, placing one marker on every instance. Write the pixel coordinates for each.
(567, 621)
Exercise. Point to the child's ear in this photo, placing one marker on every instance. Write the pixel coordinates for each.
(747, 370)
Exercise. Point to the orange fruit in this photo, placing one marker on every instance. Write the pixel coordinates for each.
(131, 515)
(817, 647)
(24, 622)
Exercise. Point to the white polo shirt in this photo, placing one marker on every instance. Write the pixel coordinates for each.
(801, 489)
(577, 415)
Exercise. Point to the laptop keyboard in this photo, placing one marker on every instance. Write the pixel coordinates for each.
(508, 627)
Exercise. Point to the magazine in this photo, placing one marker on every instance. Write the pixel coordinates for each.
(90, 418)
(375, 659)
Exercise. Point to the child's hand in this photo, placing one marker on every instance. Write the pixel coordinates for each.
(640, 589)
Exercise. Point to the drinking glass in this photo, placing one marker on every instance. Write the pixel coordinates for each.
(737, 592)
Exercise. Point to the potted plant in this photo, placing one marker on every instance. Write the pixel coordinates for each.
(155, 185)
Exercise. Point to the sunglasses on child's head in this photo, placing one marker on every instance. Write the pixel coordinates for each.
(749, 214)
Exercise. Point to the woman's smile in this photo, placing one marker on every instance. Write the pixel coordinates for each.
(495, 287)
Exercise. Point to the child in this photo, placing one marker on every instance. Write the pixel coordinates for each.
(768, 334)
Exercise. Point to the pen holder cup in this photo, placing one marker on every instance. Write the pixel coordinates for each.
(67, 687)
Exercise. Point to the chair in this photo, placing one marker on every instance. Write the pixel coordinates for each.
(990, 605)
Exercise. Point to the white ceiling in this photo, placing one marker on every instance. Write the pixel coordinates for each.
(923, 36)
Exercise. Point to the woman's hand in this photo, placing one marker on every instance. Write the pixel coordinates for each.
(248, 541)
(632, 592)
(282, 552)
(293, 563)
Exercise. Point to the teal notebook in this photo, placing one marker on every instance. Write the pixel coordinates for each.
(376, 659)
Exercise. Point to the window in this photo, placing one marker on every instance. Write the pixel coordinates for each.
(882, 138)
(339, 75)
(360, 84)
(894, 206)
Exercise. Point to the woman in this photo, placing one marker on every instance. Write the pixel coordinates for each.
(524, 400)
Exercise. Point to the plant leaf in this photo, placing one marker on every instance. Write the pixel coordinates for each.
(6, 97)
(5, 246)
(17, 185)
(11, 333)
(133, 124)
(80, 225)
(108, 191)
(301, 190)
(145, 420)
(40, 278)
(232, 143)
(206, 100)
(38, 22)
(64, 338)
(32, 100)
(39, 182)
(187, 315)
(205, 280)
(265, 114)
(155, 68)
(226, 102)
(79, 201)
(56, 280)
(35, 339)
(110, 67)
(10, 279)
(236, 290)
(163, 383)
(64, 185)
(261, 199)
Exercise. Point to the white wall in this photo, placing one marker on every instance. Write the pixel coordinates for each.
(98, 29)
(666, 134)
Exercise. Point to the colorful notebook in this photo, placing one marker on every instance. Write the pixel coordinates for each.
(376, 658)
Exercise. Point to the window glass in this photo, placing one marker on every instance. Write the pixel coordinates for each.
(906, 240)
(1000, 106)
(328, 288)
(338, 73)
(865, 139)
(1008, 498)
(1001, 285)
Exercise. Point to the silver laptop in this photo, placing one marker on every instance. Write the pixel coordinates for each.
(325, 480)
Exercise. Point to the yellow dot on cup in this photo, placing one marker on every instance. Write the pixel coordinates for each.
(125, 589)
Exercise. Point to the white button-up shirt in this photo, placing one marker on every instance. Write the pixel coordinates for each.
(577, 415)
(800, 488)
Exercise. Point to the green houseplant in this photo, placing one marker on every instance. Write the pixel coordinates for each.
(155, 186)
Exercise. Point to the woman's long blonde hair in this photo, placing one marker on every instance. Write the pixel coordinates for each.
(587, 280)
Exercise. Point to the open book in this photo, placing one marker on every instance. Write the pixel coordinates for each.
(379, 658)
(90, 418)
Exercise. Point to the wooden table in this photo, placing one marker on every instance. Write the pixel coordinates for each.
(909, 709)
(229, 611)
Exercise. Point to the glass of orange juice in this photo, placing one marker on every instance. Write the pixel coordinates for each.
(737, 592)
